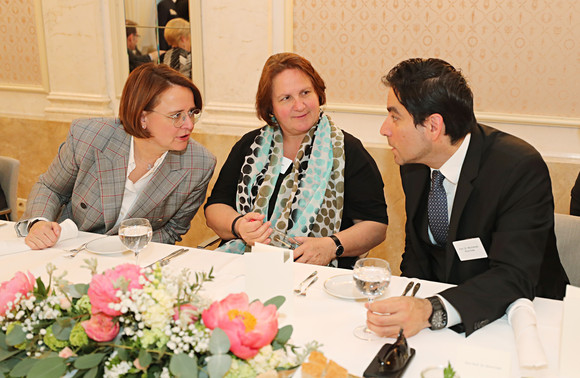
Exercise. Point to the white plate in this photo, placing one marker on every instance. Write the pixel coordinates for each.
(342, 286)
(106, 246)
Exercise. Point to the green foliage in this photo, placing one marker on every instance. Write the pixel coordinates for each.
(448, 372)
(22, 368)
(62, 328)
(78, 290)
(89, 361)
(218, 365)
(145, 358)
(51, 367)
(219, 342)
(15, 336)
(182, 366)
(277, 301)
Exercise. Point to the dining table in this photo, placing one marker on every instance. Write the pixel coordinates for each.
(324, 314)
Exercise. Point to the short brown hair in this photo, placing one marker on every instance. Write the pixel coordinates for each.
(130, 27)
(275, 65)
(142, 90)
(175, 29)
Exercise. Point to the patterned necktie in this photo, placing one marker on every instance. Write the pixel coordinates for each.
(437, 209)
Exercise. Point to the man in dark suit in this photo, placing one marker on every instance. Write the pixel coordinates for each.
(480, 211)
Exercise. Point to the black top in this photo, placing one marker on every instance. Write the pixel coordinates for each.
(575, 200)
(364, 198)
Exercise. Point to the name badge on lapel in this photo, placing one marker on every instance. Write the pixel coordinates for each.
(470, 249)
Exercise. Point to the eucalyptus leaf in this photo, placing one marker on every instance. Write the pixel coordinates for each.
(6, 366)
(89, 360)
(3, 340)
(284, 334)
(219, 343)
(53, 367)
(77, 290)
(278, 301)
(122, 353)
(144, 358)
(6, 354)
(92, 373)
(15, 336)
(219, 365)
(62, 328)
(182, 366)
(22, 368)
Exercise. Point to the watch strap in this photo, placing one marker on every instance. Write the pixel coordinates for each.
(438, 318)
(339, 247)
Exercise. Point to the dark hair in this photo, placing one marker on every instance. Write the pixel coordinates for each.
(275, 65)
(130, 27)
(428, 86)
(142, 90)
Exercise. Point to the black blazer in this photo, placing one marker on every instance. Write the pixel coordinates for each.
(504, 197)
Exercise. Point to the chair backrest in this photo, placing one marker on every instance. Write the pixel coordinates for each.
(9, 168)
(567, 228)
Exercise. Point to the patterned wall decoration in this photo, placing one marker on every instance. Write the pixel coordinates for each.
(19, 57)
(520, 56)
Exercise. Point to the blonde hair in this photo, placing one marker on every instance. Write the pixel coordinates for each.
(175, 29)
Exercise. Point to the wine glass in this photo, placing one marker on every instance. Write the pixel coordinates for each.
(135, 234)
(371, 276)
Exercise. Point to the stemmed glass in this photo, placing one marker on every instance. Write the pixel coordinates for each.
(371, 276)
(135, 234)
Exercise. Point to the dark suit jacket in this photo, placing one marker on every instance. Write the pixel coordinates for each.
(86, 183)
(504, 197)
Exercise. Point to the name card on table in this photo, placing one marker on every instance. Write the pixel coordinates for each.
(569, 342)
(482, 362)
(269, 273)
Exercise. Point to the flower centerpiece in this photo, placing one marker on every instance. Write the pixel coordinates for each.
(134, 322)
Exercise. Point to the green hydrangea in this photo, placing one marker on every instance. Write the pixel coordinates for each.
(153, 336)
(78, 336)
(240, 369)
(83, 305)
(52, 342)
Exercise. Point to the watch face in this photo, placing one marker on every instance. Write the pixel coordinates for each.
(339, 250)
(437, 321)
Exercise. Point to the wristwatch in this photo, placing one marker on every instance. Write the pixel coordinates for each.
(438, 318)
(339, 248)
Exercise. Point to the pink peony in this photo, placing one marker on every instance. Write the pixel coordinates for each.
(101, 327)
(249, 326)
(20, 283)
(187, 313)
(102, 289)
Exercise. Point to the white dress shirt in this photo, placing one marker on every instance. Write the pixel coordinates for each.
(451, 169)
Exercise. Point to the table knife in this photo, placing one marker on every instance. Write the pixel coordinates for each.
(168, 257)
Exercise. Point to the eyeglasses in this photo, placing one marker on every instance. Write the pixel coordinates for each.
(180, 117)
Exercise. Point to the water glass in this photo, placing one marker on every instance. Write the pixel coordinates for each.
(135, 234)
(371, 276)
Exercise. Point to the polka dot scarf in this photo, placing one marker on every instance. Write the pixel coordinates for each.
(311, 197)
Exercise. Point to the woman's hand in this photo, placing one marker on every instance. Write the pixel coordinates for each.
(42, 235)
(317, 251)
(252, 229)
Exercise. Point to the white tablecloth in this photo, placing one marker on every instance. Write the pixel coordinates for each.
(317, 316)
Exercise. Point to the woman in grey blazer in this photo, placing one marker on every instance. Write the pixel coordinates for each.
(141, 165)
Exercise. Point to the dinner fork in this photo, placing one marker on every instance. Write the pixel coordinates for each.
(300, 287)
(75, 251)
(416, 289)
(409, 286)
(303, 292)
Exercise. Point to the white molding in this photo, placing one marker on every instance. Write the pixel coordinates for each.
(23, 88)
(67, 106)
(518, 119)
(196, 22)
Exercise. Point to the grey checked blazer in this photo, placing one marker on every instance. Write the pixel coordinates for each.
(86, 182)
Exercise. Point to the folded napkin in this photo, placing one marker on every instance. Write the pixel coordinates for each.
(522, 318)
(69, 230)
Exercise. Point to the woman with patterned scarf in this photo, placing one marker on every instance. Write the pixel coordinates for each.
(299, 175)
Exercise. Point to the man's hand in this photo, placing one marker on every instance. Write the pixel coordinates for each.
(387, 316)
(317, 251)
(42, 235)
